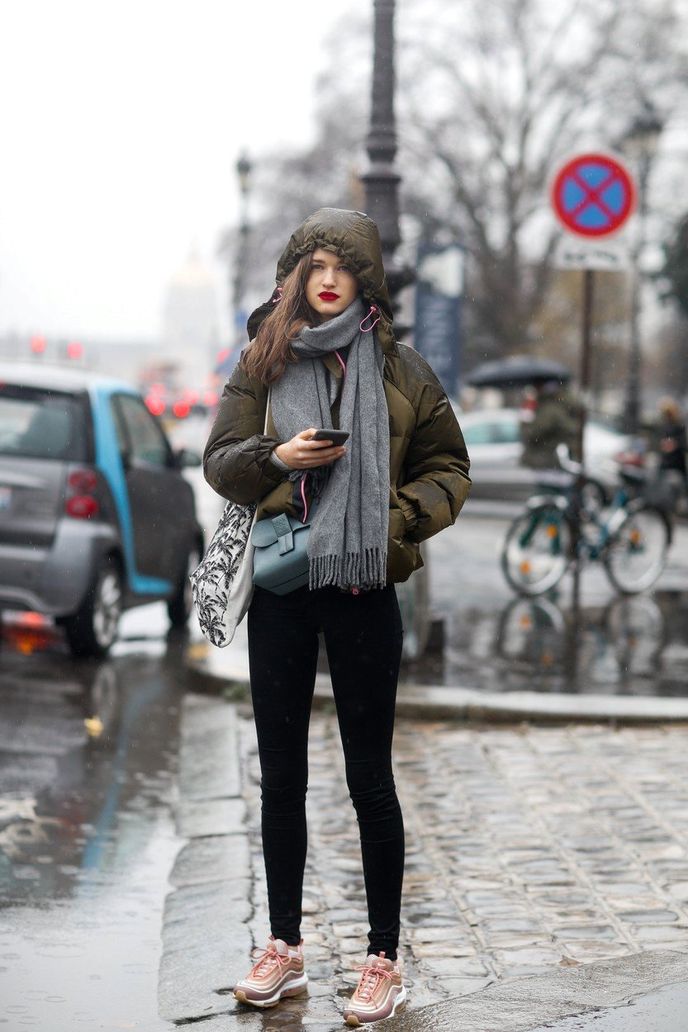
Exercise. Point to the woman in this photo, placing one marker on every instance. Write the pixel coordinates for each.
(324, 349)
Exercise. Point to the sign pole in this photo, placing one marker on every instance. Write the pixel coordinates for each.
(585, 379)
(586, 355)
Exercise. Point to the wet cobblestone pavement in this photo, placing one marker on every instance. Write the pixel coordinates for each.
(528, 850)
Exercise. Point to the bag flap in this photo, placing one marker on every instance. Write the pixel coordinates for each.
(264, 533)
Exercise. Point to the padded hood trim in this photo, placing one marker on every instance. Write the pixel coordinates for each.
(353, 236)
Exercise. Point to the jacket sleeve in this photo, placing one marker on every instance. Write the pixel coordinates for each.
(236, 460)
(437, 466)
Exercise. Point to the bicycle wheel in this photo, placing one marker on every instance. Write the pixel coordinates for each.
(536, 550)
(637, 551)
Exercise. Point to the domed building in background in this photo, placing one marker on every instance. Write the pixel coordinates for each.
(190, 329)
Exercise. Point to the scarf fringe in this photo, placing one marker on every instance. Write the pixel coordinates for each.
(366, 569)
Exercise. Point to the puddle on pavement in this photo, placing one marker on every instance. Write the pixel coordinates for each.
(630, 645)
(87, 768)
(663, 1011)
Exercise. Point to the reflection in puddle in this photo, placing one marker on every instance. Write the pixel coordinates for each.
(634, 645)
(87, 767)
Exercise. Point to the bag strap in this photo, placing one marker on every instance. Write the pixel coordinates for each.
(267, 410)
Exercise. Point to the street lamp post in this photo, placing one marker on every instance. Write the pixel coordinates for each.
(640, 144)
(381, 191)
(243, 171)
(381, 181)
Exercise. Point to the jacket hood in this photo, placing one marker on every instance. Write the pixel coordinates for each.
(353, 236)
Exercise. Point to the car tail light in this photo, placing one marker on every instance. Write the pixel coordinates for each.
(155, 404)
(83, 481)
(181, 409)
(82, 502)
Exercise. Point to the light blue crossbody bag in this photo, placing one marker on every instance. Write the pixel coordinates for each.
(280, 553)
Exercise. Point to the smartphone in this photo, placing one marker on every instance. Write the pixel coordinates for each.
(336, 436)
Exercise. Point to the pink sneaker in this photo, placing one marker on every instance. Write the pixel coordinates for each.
(278, 971)
(380, 991)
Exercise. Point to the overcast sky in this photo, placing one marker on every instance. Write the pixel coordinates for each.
(120, 125)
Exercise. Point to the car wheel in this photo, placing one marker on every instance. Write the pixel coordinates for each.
(93, 628)
(179, 606)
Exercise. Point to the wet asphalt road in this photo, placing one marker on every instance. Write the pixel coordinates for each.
(88, 758)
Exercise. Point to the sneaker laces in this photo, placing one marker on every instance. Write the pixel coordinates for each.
(371, 977)
(266, 959)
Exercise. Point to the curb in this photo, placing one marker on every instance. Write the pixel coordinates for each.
(442, 702)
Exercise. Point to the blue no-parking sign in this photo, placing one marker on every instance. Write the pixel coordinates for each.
(593, 195)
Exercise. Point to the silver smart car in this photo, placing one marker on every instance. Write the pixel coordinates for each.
(95, 515)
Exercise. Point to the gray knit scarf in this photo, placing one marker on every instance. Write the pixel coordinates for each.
(347, 543)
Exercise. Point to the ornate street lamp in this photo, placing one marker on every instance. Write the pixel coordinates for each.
(381, 181)
(639, 144)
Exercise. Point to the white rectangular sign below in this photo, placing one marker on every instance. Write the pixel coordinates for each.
(605, 255)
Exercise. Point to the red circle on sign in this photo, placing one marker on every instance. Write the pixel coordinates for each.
(593, 208)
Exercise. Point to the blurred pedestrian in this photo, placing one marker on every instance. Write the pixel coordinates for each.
(324, 348)
(671, 434)
(554, 421)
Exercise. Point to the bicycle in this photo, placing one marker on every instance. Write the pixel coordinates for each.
(628, 535)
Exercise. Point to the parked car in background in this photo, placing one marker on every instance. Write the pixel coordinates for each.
(95, 514)
(493, 439)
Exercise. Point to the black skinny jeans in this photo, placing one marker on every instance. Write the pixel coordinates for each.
(363, 636)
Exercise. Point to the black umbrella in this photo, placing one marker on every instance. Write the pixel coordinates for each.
(517, 371)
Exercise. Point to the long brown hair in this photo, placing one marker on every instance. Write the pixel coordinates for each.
(267, 357)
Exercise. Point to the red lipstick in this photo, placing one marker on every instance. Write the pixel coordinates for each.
(328, 295)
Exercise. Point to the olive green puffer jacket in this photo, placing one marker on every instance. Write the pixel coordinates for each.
(428, 460)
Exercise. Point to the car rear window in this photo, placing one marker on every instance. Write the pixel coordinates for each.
(501, 431)
(38, 424)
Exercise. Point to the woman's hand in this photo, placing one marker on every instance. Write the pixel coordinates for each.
(303, 453)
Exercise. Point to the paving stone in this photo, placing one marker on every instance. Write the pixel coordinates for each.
(528, 957)
(586, 952)
(655, 917)
(661, 933)
(584, 931)
(462, 986)
(439, 949)
(429, 934)
(211, 859)
(196, 818)
(505, 940)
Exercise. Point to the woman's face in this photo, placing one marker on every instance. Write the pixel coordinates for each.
(330, 287)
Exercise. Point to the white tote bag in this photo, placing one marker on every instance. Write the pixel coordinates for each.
(222, 583)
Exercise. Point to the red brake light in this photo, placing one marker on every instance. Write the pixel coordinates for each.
(82, 507)
(83, 481)
(82, 502)
(155, 405)
(181, 409)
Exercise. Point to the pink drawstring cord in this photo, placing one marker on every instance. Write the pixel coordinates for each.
(341, 362)
(373, 310)
(303, 497)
